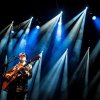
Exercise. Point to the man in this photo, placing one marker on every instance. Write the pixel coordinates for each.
(17, 89)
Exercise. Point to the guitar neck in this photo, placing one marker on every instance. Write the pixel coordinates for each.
(32, 60)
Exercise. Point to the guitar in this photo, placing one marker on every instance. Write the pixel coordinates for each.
(11, 74)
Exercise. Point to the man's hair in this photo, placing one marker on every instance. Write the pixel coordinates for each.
(23, 54)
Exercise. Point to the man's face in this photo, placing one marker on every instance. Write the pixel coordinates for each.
(22, 57)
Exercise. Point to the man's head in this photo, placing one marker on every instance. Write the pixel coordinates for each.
(22, 57)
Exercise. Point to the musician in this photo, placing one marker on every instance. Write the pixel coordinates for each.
(17, 90)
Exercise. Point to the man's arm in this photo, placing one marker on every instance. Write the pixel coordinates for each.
(26, 72)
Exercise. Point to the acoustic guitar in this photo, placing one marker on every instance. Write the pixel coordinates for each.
(11, 74)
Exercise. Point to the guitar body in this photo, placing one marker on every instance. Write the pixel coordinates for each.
(7, 82)
(9, 77)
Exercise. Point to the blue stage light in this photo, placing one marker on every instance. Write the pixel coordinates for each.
(94, 17)
(96, 21)
(37, 27)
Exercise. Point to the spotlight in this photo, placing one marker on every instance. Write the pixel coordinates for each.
(87, 7)
(31, 18)
(61, 12)
(94, 17)
(37, 27)
(42, 51)
(12, 22)
(12, 31)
